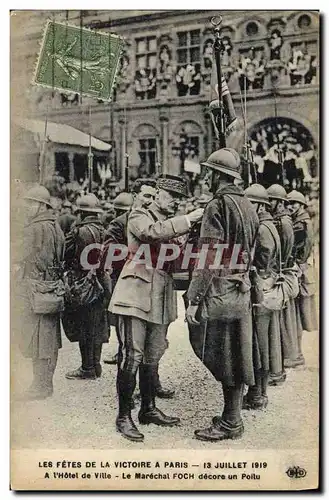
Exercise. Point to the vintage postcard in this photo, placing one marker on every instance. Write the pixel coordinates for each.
(165, 176)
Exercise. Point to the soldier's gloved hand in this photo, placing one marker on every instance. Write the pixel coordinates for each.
(196, 215)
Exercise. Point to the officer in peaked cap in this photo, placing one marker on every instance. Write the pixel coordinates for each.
(266, 324)
(145, 301)
(224, 343)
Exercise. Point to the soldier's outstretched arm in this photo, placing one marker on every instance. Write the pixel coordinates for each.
(146, 230)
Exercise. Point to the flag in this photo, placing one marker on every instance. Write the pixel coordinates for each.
(229, 112)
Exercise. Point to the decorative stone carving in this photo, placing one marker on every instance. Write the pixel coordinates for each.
(145, 83)
(165, 69)
(188, 79)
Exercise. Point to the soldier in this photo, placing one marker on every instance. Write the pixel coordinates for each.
(43, 248)
(87, 323)
(303, 232)
(145, 300)
(122, 203)
(221, 296)
(66, 219)
(265, 321)
(282, 220)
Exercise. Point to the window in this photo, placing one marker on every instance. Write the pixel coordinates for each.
(148, 156)
(146, 52)
(252, 29)
(188, 77)
(146, 60)
(304, 21)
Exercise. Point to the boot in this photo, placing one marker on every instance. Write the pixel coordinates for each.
(149, 413)
(254, 399)
(277, 379)
(220, 431)
(233, 400)
(161, 392)
(86, 370)
(97, 360)
(126, 383)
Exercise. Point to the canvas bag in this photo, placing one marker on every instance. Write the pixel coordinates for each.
(83, 291)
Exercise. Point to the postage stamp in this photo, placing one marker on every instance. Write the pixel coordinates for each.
(78, 60)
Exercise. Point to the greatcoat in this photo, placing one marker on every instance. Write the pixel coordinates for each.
(42, 254)
(142, 290)
(91, 319)
(225, 347)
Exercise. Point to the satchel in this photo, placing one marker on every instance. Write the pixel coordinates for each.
(274, 296)
(83, 291)
(225, 299)
(228, 297)
(46, 297)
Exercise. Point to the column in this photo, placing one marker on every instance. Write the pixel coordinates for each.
(164, 124)
(71, 166)
(123, 140)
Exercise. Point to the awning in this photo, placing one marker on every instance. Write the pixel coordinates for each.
(63, 134)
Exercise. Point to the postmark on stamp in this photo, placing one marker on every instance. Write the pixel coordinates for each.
(80, 60)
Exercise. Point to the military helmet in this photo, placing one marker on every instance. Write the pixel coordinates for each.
(277, 192)
(89, 203)
(123, 201)
(297, 196)
(40, 194)
(225, 160)
(258, 194)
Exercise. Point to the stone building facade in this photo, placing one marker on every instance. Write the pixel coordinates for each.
(159, 113)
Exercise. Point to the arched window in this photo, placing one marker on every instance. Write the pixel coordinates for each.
(252, 29)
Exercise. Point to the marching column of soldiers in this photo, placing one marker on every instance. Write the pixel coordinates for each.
(245, 322)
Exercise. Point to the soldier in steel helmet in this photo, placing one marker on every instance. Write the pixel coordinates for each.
(304, 240)
(146, 303)
(266, 324)
(278, 198)
(41, 260)
(86, 324)
(223, 341)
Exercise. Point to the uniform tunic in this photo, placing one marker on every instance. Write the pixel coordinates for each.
(42, 249)
(225, 347)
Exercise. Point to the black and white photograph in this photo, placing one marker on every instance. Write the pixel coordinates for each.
(165, 250)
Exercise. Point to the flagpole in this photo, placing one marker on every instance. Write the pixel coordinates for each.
(219, 114)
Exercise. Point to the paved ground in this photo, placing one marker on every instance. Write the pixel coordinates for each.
(81, 414)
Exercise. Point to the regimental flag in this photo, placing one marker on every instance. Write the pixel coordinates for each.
(229, 112)
(79, 60)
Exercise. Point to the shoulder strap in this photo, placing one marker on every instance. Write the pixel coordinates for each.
(243, 229)
(275, 241)
(154, 217)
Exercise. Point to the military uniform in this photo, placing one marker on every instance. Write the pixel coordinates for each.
(225, 346)
(266, 328)
(145, 301)
(305, 302)
(288, 322)
(40, 337)
(86, 324)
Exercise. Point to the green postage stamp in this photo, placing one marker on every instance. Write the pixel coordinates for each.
(80, 60)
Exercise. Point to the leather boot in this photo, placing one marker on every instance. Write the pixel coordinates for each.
(149, 413)
(277, 379)
(233, 398)
(111, 361)
(126, 383)
(86, 370)
(160, 391)
(254, 399)
(220, 431)
(97, 360)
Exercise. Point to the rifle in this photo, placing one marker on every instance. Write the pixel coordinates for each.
(248, 164)
(217, 107)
